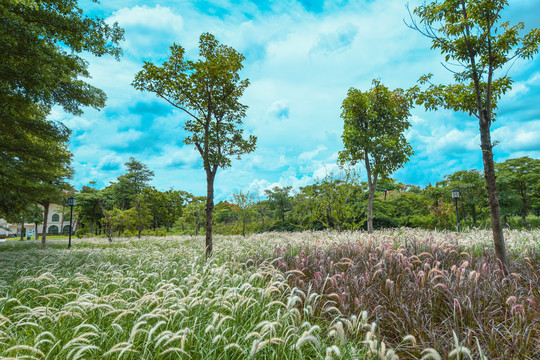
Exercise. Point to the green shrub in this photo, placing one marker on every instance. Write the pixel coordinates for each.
(83, 232)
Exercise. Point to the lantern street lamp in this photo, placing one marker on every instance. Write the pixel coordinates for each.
(71, 201)
(456, 194)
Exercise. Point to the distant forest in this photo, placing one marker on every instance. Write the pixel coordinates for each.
(129, 206)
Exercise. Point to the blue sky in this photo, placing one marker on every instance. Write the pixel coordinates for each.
(301, 58)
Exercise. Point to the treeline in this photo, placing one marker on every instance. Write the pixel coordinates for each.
(130, 207)
(340, 201)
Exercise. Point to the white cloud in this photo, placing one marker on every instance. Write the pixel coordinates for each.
(300, 65)
(145, 27)
(517, 138)
(309, 155)
(521, 88)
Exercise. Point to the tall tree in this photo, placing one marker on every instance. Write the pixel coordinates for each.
(279, 200)
(244, 201)
(520, 175)
(472, 185)
(40, 43)
(471, 34)
(374, 122)
(261, 207)
(132, 183)
(208, 90)
(176, 201)
(88, 208)
(194, 212)
(138, 174)
(140, 215)
(333, 200)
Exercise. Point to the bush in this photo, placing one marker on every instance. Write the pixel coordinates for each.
(516, 223)
(157, 232)
(83, 232)
(286, 225)
(130, 233)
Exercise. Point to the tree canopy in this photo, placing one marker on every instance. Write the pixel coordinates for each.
(374, 123)
(472, 35)
(208, 90)
(40, 66)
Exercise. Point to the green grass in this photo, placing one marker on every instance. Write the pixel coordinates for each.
(152, 299)
(156, 298)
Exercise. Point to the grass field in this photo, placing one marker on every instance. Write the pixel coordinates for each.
(314, 295)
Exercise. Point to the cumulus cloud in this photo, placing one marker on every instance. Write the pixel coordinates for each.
(515, 138)
(110, 162)
(339, 40)
(301, 57)
(148, 30)
(279, 109)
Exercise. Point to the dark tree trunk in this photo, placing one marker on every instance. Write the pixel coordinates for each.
(371, 199)
(35, 227)
(62, 221)
(45, 218)
(524, 208)
(210, 175)
(22, 229)
(372, 182)
(491, 187)
(261, 212)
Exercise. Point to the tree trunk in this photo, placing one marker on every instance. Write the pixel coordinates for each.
(492, 194)
(45, 218)
(524, 216)
(371, 198)
(22, 229)
(210, 175)
(261, 212)
(62, 221)
(372, 182)
(35, 227)
(524, 210)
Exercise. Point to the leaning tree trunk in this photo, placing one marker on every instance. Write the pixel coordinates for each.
(492, 194)
(210, 175)
(45, 218)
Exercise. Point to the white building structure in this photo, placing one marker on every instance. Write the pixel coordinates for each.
(57, 223)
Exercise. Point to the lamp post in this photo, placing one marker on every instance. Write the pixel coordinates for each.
(71, 201)
(456, 195)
